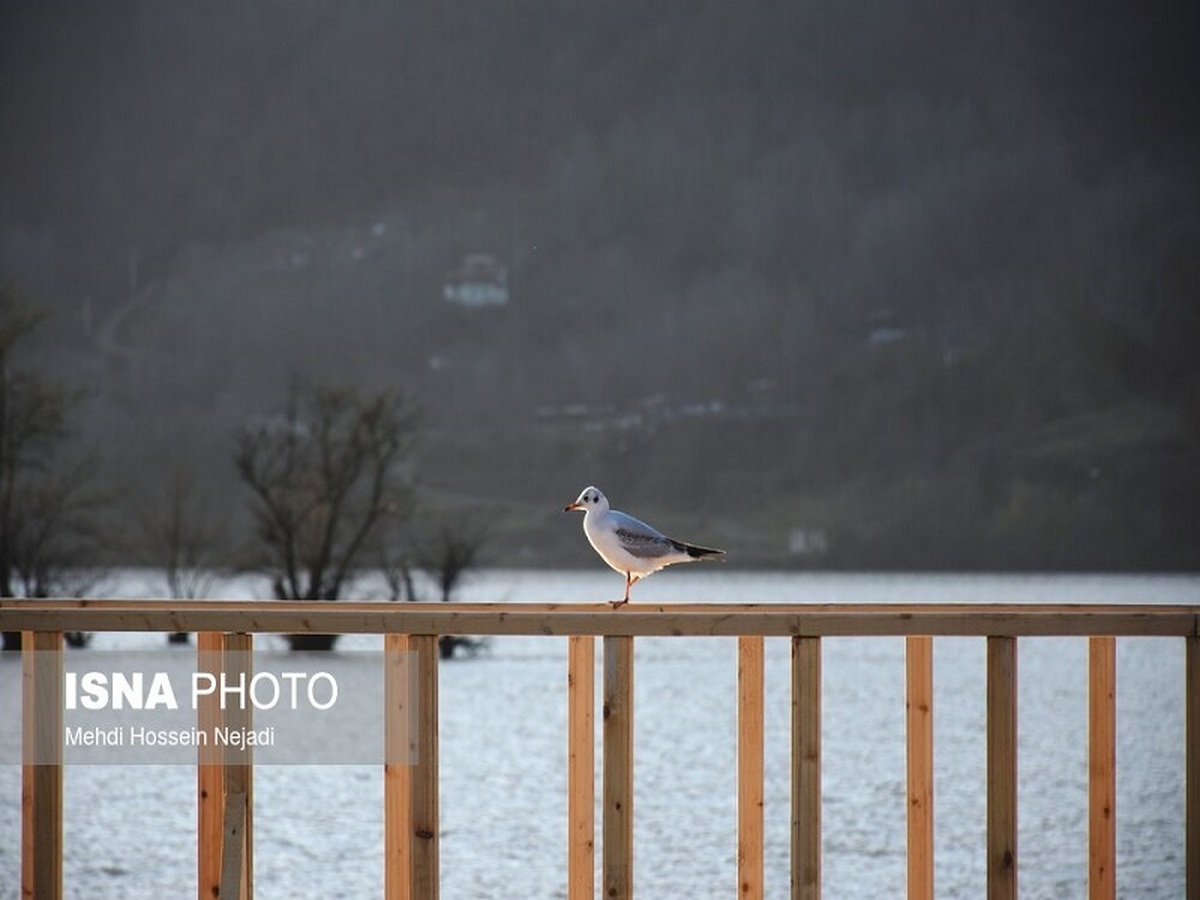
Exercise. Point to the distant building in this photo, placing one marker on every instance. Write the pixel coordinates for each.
(808, 542)
(481, 281)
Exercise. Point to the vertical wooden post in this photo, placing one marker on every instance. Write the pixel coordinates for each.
(424, 773)
(1192, 718)
(750, 767)
(399, 753)
(30, 804)
(1102, 780)
(210, 775)
(919, 719)
(237, 848)
(41, 773)
(806, 768)
(581, 767)
(233, 847)
(1002, 768)
(618, 767)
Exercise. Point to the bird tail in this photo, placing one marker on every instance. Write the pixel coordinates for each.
(697, 552)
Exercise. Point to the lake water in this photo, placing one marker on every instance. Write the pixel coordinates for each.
(130, 831)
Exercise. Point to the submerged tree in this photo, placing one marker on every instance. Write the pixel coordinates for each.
(324, 476)
(50, 504)
(442, 557)
(59, 531)
(446, 556)
(179, 535)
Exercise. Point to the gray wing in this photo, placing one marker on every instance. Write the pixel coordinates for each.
(639, 539)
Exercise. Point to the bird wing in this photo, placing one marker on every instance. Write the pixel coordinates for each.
(639, 539)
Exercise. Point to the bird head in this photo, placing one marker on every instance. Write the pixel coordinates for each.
(589, 498)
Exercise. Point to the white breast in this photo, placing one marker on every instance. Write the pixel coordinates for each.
(605, 542)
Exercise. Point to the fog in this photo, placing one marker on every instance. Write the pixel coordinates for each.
(827, 283)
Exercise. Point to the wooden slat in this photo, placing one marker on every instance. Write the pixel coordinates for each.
(806, 768)
(29, 803)
(1102, 780)
(399, 752)
(42, 774)
(233, 844)
(238, 649)
(750, 768)
(425, 836)
(618, 768)
(210, 775)
(600, 619)
(1002, 768)
(1192, 718)
(581, 768)
(919, 721)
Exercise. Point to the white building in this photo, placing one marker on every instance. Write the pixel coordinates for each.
(481, 281)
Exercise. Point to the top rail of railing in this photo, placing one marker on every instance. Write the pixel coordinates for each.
(635, 619)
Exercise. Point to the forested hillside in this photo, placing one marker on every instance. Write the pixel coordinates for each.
(838, 283)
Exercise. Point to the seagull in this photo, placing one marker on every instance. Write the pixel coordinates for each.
(629, 545)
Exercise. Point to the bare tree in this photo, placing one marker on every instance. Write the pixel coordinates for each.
(181, 537)
(397, 558)
(443, 557)
(446, 556)
(49, 505)
(323, 476)
(59, 533)
(449, 553)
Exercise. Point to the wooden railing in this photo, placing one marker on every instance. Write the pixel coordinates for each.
(225, 825)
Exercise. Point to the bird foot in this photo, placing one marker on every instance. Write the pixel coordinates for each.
(617, 604)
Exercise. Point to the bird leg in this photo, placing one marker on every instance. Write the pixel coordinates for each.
(628, 585)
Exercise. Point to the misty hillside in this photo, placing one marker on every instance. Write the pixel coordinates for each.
(829, 283)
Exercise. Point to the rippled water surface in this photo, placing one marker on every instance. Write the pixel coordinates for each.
(129, 831)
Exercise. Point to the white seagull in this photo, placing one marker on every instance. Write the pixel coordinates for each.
(629, 545)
